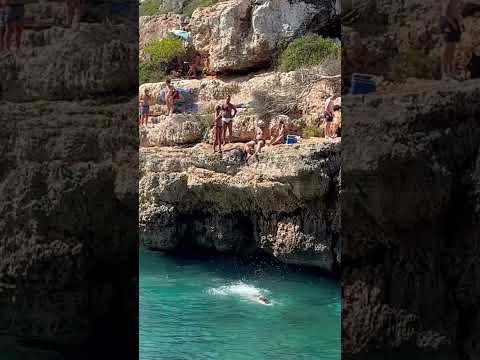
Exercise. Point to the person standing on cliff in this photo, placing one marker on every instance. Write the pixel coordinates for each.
(14, 18)
(3, 23)
(170, 95)
(145, 102)
(328, 115)
(75, 10)
(218, 123)
(229, 111)
(451, 25)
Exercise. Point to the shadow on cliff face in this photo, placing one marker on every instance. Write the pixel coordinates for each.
(410, 224)
(228, 234)
(68, 174)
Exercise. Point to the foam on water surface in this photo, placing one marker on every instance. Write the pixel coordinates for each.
(241, 290)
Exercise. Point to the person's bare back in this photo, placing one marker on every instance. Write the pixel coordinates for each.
(329, 103)
(145, 100)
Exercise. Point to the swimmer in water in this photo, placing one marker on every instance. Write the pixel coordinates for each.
(263, 299)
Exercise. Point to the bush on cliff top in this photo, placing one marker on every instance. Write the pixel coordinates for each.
(150, 7)
(197, 4)
(413, 64)
(163, 56)
(166, 51)
(307, 51)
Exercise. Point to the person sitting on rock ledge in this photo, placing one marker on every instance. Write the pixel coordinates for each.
(281, 135)
(145, 102)
(257, 144)
(194, 67)
(229, 111)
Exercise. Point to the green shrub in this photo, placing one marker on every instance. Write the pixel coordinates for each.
(413, 64)
(150, 7)
(163, 56)
(307, 51)
(197, 4)
(166, 51)
(312, 131)
(149, 72)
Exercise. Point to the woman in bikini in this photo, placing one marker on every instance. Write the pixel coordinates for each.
(218, 129)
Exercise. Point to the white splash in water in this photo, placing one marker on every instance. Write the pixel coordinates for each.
(241, 290)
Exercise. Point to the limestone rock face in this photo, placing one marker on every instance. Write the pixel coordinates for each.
(382, 29)
(78, 62)
(243, 34)
(410, 200)
(285, 205)
(68, 221)
(168, 130)
(207, 93)
(68, 180)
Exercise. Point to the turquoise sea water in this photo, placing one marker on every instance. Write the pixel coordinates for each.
(207, 310)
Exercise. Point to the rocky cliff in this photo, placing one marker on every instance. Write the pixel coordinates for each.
(245, 34)
(374, 30)
(411, 230)
(297, 98)
(57, 62)
(68, 204)
(68, 183)
(286, 205)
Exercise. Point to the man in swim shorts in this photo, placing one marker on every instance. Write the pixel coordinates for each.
(328, 115)
(451, 25)
(229, 111)
(145, 102)
(14, 18)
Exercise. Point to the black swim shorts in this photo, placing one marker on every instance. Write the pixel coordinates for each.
(328, 116)
(451, 34)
